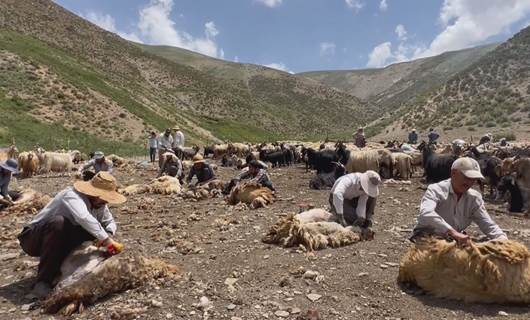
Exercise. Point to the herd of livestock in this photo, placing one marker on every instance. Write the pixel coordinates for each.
(506, 168)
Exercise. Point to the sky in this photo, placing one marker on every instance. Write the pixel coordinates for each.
(309, 35)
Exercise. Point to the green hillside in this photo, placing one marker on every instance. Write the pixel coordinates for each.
(73, 76)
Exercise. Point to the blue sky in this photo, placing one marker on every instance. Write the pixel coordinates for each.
(306, 35)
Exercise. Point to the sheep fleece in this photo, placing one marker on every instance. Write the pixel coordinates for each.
(489, 272)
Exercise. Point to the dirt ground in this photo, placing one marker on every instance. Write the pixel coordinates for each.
(218, 248)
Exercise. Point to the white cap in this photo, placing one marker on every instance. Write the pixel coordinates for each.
(469, 167)
(98, 155)
(370, 181)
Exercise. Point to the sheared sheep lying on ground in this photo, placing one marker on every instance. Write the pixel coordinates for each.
(88, 276)
(29, 202)
(204, 191)
(251, 193)
(161, 185)
(312, 229)
(489, 272)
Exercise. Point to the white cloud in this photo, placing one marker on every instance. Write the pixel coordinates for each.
(278, 66)
(383, 6)
(380, 55)
(236, 59)
(327, 49)
(107, 22)
(156, 27)
(467, 23)
(401, 32)
(356, 5)
(270, 3)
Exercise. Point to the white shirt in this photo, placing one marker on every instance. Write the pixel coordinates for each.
(165, 142)
(75, 207)
(349, 187)
(440, 209)
(178, 141)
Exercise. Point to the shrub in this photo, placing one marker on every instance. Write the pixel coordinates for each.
(510, 136)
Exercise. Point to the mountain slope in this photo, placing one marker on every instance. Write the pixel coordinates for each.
(493, 94)
(69, 74)
(398, 83)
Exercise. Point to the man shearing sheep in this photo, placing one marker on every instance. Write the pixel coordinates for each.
(352, 200)
(450, 206)
(76, 214)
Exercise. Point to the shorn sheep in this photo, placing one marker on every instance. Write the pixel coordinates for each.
(402, 165)
(87, 276)
(312, 229)
(161, 185)
(251, 193)
(29, 202)
(488, 272)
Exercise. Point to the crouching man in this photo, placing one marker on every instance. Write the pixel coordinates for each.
(74, 216)
(352, 200)
(254, 172)
(450, 206)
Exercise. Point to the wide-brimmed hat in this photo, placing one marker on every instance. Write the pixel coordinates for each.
(198, 159)
(10, 165)
(176, 128)
(103, 185)
(98, 155)
(370, 181)
(468, 167)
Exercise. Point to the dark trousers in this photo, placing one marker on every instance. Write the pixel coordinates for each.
(350, 215)
(152, 154)
(51, 240)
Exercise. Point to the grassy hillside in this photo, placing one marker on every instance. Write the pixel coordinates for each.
(493, 94)
(398, 83)
(84, 81)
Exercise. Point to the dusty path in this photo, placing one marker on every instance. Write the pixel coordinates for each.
(220, 251)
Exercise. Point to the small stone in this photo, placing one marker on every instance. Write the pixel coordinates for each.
(231, 306)
(383, 266)
(28, 307)
(204, 303)
(281, 314)
(502, 313)
(296, 310)
(230, 281)
(156, 303)
(313, 297)
(266, 256)
(169, 315)
(309, 274)
(362, 274)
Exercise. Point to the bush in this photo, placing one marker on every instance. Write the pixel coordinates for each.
(471, 129)
(490, 124)
(510, 136)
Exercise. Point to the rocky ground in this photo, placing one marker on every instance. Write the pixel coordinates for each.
(228, 273)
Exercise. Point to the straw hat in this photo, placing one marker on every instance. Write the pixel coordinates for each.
(176, 128)
(198, 159)
(103, 186)
(370, 181)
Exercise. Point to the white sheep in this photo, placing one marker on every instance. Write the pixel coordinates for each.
(54, 161)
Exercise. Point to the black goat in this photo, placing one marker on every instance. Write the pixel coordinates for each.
(436, 167)
(509, 184)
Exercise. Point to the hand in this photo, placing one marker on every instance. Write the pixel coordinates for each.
(463, 240)
(113, 247)
(367, 234)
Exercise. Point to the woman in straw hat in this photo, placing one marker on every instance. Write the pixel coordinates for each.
(76, 214)
(201, 169)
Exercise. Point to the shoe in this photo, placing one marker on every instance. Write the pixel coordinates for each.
(41, 290)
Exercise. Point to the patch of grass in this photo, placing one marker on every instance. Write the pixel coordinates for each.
(510, 136)
(17, 124)
(232, 131)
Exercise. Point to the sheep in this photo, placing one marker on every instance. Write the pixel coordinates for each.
(207, 190)
(312, 229)
(239, 149)
(403, 165)
(76, 156)
(251, 193)
(28, 163)
(219, 150)
(87, 277)
(489, 272)
(362, 161)
(508, 184)
(161, 185)
(117, 161)
(436, 167)
(54, 161)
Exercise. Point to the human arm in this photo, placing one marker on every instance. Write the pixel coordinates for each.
(483, 220)
(79, 212)
(86, 166)
(107, 221)
(338, 199)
